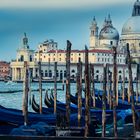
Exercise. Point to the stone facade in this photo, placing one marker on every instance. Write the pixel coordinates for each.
(100, 52)
(4, 70)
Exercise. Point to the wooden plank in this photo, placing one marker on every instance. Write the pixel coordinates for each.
(68, 54)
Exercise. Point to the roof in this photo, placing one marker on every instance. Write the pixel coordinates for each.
(82, 51)
(4, 63)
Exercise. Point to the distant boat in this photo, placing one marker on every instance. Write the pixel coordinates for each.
(44, 79)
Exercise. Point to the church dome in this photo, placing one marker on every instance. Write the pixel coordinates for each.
(108, 32)
(131, 26)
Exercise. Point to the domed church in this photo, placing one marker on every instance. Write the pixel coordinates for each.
(131, 33)
(109, 35)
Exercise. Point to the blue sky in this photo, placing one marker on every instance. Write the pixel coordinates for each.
(55, 19)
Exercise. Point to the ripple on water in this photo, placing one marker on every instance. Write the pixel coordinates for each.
(14, 100)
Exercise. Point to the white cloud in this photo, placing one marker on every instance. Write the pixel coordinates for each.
(60, 3)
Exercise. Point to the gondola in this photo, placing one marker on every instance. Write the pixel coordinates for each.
(47, 100)
(121, 104)
(16, 116)
(13, 118)
(49, 110)
(94, 112)
(35, 107)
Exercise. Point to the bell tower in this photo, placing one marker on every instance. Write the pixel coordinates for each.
(93, 34)
(25, 42)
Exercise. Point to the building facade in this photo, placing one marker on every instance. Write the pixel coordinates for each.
(4, 70)
(100, 52)
(131, 33)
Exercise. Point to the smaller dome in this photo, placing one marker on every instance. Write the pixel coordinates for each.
(108, 32)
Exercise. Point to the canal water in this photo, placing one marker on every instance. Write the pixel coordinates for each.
(14, 100)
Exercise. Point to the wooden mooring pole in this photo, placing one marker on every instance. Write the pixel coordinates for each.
(137, 84)
(68, 54)
(123, 85)
(114, 90)
(128, 91)
(25, 94)
(93, 85)
(79, 91)
(110, 90)
(117, 90)
(55, 86)
(30, 91)
(131, 89)
(40, 87)
(104, 102)
(87, 94)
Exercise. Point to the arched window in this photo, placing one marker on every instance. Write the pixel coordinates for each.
(22, 58)
(31, 59)
(111, 42)
(120, 77)
(46, 73)
(65, 73)
(57, 73)
(61, 74)
(125, 78)
(50, 73)
(42, 74)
